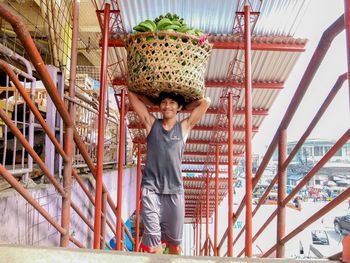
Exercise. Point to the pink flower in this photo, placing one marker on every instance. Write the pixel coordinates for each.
(202, 39)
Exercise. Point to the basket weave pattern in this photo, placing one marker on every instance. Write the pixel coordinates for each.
(167, 61)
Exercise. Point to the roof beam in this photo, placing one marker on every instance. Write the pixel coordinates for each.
(200, 162)
(222, 84)
(201, 171)
(198, 128)
(201, 179)
(193, 141)
(231, 44)
(237, 111)
(206, 153)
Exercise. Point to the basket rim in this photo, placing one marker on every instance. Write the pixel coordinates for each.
(167, 33)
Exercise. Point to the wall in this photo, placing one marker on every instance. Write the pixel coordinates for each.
(21, 224)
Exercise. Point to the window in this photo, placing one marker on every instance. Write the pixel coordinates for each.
(318, 151)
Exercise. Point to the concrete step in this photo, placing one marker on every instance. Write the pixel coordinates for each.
(22, 254)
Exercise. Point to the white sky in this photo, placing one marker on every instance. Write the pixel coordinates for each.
(320, 14)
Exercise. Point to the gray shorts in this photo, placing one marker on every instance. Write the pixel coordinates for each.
(163, 217)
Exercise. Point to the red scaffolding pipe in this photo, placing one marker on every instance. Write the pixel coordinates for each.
(101, 128)
(310, 71)
(248, 131)
(282, 187)
(207, 216)
(138, 192)
(120, 168)
(200, 230)
(230, 176)
(216, 252)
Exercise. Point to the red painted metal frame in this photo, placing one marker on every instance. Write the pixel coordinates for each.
(198, 128)
(230, 176)
(101, 128)
(310, 71)
(248, 132)
(282, 190)
(216, 222)
(200, 229)
(207, 215)
(117, 42)
(311, 126)
(27, 42)
(120, 168)
(225, 84)
(138, 203)
(238, 111)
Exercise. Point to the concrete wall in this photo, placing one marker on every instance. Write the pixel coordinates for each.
(21, 224)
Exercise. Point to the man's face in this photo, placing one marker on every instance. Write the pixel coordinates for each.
(169, 108)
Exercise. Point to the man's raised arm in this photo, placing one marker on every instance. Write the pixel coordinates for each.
(198, 107)
(140, 108)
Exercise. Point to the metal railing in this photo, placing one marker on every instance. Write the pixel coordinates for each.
(64, 151)
(284, 160)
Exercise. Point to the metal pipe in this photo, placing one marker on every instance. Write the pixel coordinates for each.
(296, 148)
(9, 53)
(200, 230)
(324, 210)
(230, 176)
(120, 167)
(27, 196)
(27, 42)
(318, 56)
(207, 216)
(307, 178)
(101, 127)
(68, 135)
(138, 193)
(248, 131)
(216, 252)
(103, 220)
(282, 190)
(17, 133)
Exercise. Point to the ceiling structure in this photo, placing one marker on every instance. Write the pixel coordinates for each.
(275, 52)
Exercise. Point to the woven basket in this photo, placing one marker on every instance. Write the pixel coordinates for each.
(167, 61)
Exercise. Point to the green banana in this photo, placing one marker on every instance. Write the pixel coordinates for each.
(148, 25)
(198, 32)
(163, 23)
(177, 22)
(175, 27)
(183, 29)
(140, 28)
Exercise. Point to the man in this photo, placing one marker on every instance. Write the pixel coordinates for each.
(162, 188)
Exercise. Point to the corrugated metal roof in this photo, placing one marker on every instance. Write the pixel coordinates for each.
(267, 67)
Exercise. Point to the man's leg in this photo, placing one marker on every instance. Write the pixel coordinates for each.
(151, 219)
(172, 221)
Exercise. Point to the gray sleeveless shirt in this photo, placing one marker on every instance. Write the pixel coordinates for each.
(162, 172)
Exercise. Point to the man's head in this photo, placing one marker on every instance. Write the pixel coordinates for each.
(171, 95)
(170, 103)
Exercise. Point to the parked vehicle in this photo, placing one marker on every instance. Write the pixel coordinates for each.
(342, 224)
